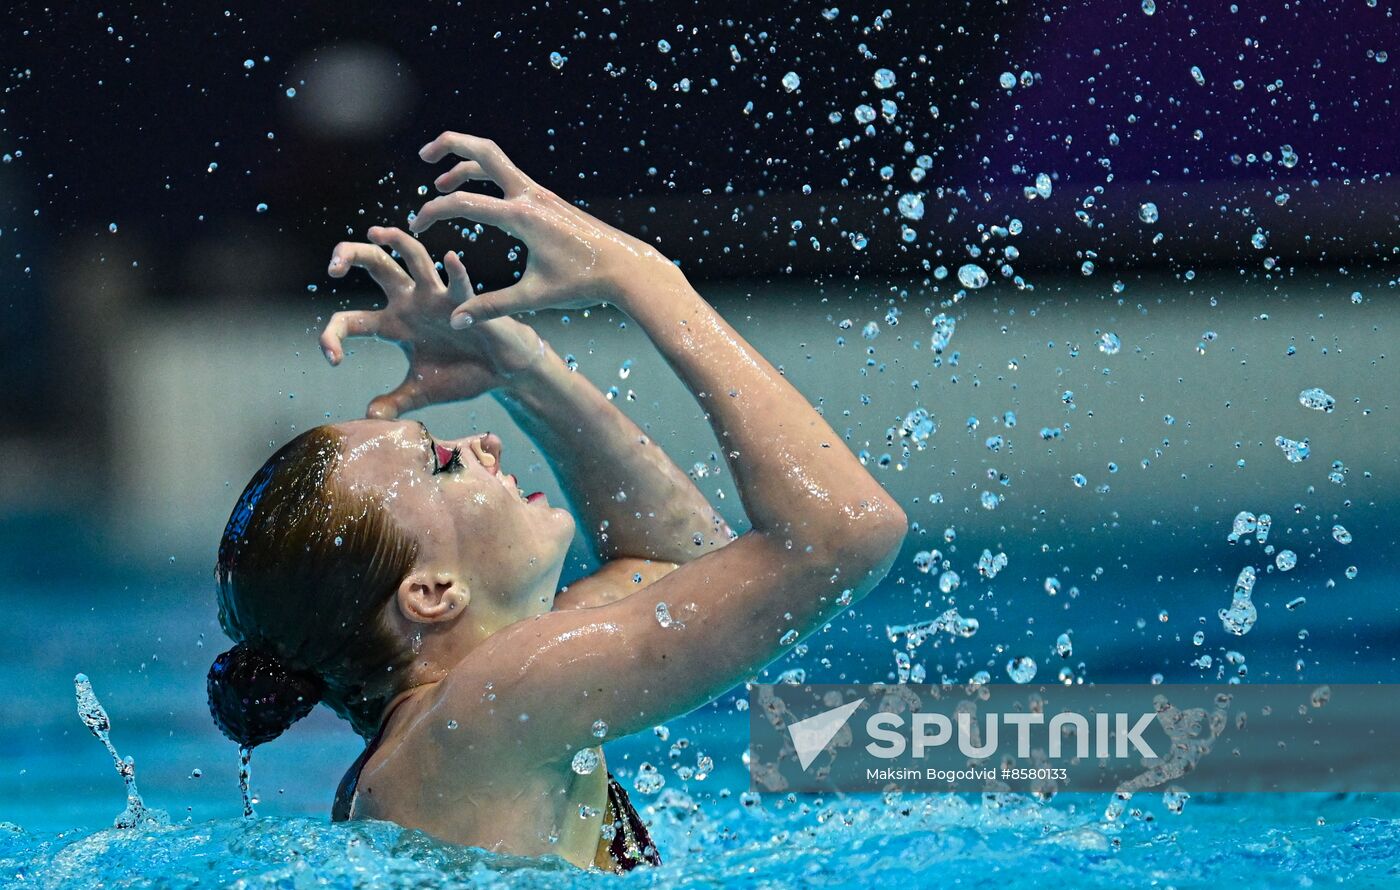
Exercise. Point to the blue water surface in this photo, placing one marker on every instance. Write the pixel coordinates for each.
(59, 792)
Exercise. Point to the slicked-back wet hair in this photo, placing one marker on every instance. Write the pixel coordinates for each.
(304, 571)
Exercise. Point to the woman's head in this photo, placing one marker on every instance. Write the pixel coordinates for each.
(362, 554)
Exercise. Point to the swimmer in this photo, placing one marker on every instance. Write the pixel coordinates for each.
(406, 581)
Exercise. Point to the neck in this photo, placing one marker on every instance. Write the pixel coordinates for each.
(445, 646)
(411, 692)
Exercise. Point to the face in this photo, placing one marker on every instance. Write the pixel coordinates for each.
(463, 508)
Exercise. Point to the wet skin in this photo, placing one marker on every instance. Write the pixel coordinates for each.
(509, 679)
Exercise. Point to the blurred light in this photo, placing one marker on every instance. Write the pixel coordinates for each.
(349, 91)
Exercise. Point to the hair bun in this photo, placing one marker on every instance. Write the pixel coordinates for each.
(254, 696)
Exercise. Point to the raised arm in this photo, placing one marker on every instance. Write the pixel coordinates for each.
(823, 530)
(641, 513)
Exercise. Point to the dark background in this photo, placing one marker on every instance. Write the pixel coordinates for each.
(115, 114)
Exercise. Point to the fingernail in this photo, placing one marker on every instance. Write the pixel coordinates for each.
(423, 152)
(330, 356)
(461, 320)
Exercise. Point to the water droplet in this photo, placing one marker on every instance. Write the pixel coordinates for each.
(1007, 80)
(261, 208)
(1198, 76)
(585, 761)
(1286, 560)
(943, 328)
(911, 206)
(557, 60)
(1295, 452)
(1109, 344)
(988, 566)
(1147, 212)
(649, 780)
(1341, 535)
(972, 276)
(884, 78)
(600, 729)
(1022, 669)
(791, 81)
(1316, 399)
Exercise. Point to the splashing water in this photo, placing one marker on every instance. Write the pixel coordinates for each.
(245, 778)
(1240, 617)
(94, 717)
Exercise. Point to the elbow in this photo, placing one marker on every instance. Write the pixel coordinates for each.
(895, 527)
(883, 532)
(868, 539)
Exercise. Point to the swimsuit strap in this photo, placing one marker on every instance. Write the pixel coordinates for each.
(631, 845)
(349, 784)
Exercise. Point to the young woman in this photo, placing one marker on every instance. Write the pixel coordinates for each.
(407, 582)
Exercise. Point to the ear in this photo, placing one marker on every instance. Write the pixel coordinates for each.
(429, 597)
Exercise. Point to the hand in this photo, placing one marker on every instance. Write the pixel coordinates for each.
(573, 259)
(443, 365)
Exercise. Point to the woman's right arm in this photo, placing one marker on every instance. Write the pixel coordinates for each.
(823, 530)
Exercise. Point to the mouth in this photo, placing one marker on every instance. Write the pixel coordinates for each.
(512, 485)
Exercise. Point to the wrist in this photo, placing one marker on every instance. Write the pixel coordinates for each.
(657, 281)
(530, 376)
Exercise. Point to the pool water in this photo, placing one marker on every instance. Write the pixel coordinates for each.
(1264, 840)
(59, 794)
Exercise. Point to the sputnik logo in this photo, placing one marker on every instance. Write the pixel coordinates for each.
(811, 736)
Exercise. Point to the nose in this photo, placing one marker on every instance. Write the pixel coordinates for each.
(487, 450)
(491, 444)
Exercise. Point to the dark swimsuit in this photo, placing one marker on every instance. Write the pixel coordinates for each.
(629, 847)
